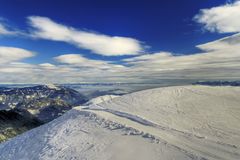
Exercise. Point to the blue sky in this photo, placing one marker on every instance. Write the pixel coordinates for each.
(104, 36)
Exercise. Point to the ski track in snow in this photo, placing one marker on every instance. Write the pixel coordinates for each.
(188, 143)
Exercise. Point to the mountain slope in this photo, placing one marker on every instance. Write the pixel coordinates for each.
(21, 107)
(43, 102)
(101, 99)
(183, 122)
(13, 123)
(203, 110)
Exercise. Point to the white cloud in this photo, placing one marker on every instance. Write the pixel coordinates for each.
(230, 42)
(47, 65)
(78, 60)
(7, 30)
(16, 67)
(12, 54)
(220, 60)
(222, 19)
(4, 30)
(45, 28)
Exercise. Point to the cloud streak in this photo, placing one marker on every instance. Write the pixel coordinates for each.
(45, 28)
(5, 31)
(80, 61)
(12, 54)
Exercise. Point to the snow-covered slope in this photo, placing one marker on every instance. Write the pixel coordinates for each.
(184, 122)
(101, 99)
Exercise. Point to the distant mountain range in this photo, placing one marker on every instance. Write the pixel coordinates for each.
(25, 108)
(218, 83)
(40, 100)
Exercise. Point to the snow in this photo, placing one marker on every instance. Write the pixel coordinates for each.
(181, 122)
(33, 111)
(52, 86)
(101, 99)
(80, 135)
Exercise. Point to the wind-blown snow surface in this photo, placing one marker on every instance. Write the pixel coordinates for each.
(184, 122)
(101, 99)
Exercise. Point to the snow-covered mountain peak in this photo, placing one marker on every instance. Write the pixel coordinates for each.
(52, 86)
